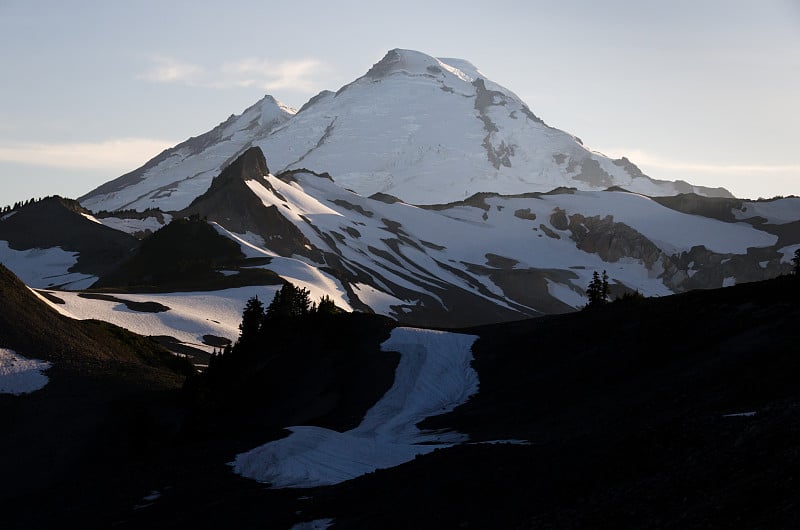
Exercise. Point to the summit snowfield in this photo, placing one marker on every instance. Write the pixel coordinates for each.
(422, 129)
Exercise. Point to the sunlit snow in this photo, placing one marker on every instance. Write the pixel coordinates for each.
(189, 318)
(45, 267)
(134, 226)
(424, 130)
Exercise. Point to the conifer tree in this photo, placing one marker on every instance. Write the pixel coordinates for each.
(252, 316)
(290, 301)
(326, 306)
(796, 263)
(597, 291)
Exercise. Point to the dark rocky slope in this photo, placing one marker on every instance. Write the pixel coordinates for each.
(106, 401)
(57, 222)
(229, 202)
(625, 411)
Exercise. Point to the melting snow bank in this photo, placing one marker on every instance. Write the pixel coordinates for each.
(434, 376)
(19, 375)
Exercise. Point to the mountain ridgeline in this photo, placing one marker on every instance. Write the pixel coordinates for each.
(422, 191)
(423, 129)
(526, 255)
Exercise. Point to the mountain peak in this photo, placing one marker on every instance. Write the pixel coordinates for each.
(269, 102)
(250, 165)
(416, 63)
(423, 129)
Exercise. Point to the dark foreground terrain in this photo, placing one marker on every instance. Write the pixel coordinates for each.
(631, 417)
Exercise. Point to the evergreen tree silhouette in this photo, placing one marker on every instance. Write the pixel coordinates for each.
(597, 291)
(290, 301)
(252, 316)
(326, 306)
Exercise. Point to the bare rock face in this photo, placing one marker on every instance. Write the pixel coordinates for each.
(230, 203)
(610, 240)
(250, 165)
(715, 207)
(698, 268)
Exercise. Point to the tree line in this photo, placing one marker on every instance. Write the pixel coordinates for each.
(264, 328)
(21, 204)
(597, 292)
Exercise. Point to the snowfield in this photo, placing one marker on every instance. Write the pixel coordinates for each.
(778, 211)
(133, 226)
(433, 377)
(190, 315)
(670, 230)
(45, 267)
(19, 375)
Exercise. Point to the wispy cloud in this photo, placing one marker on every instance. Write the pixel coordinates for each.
(169, 70)
(299, 75)
(268, 75)
(644, 158)
(112, 155)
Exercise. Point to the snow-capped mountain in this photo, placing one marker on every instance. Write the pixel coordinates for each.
(317, 213)
(423, 129)
(171, 180)
(491, 258)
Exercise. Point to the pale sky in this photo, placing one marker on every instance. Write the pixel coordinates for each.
(702, 90)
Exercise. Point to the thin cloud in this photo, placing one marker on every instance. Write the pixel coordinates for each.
(169, 70)
(300, 75)
(268, 75)
(112, 155)
(644, 158)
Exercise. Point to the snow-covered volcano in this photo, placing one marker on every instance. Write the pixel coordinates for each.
(361, 197)
(423, 129)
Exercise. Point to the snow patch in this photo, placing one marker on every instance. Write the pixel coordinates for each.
(380, 302)
(319, 524)
(92, 218)
(729, 281)
(19, 375)
(190, 317)
(740, 414)
(134, 226)
(780, 211)
(433, 377)
(45, 267)
(788, 253)
(252, 245)
(562, 292)
(148, 500)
